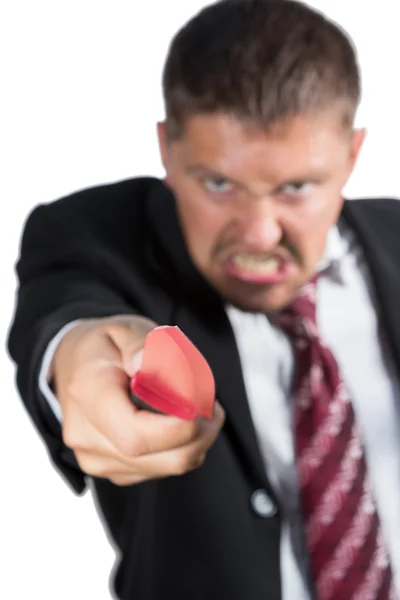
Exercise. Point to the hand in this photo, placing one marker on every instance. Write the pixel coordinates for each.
(110, 437)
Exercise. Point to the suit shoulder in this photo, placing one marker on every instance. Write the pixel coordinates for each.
(111, 196)
(375, 203)
(111, 213)
(375, 208)
(99, 206)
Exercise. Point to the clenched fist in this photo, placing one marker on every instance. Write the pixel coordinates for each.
(110, 437)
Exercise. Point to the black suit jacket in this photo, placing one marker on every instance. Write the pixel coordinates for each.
(119, 249)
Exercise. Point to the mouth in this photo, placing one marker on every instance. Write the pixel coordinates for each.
(259, 270)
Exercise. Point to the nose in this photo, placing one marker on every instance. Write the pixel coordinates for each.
(261, 228)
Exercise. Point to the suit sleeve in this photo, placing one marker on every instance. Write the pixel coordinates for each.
(61, 279)
(44, 380)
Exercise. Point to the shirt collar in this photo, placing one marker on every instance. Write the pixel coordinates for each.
(331, 264)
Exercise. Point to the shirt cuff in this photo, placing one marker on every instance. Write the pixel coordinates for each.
(44, 383)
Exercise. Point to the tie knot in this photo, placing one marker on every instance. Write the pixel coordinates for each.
(299, 319)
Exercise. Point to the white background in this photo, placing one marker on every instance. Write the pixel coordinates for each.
(80, 96)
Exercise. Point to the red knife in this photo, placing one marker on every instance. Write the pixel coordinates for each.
(174, 377)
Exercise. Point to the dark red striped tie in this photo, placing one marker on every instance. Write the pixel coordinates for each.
(348, 556)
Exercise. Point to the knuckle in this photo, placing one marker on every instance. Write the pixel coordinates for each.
(183, 462)
(92, 466)
(219, 420)
(220, 412)
(70, 437)
(178, 464)
(173, 426)
(193, 429)
(199, 460)
(116, 480)
(131, 447)
(123, 481)
(75, 388)
(186, 431)
(99, 469)
(85, 463)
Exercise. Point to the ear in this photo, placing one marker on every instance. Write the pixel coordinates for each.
(162, 144)
(357, 140)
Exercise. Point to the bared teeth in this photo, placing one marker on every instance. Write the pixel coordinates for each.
(257, 265)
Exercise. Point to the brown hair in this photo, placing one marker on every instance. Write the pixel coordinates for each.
(259, 60)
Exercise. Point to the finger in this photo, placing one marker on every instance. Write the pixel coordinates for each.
(106, 467)
(161, 433)
(156, 433)
(122, 480)
(180, 460)
(101, 468)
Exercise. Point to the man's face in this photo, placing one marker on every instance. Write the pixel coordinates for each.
(256, 206)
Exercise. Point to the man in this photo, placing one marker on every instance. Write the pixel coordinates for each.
(292, 490)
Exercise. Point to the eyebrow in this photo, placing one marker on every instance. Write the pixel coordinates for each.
(204, 170)
(316, 177)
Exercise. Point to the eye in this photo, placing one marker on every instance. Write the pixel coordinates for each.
(218, 185)
(297, 188)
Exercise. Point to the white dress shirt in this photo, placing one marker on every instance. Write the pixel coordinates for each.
(347, 319)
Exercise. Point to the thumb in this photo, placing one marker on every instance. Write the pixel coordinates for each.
(129, 337)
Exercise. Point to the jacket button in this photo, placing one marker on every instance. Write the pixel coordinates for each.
(262, 504)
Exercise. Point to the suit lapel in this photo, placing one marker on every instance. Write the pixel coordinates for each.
(376, 223)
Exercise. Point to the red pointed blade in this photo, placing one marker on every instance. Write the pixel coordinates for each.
(174, 377)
